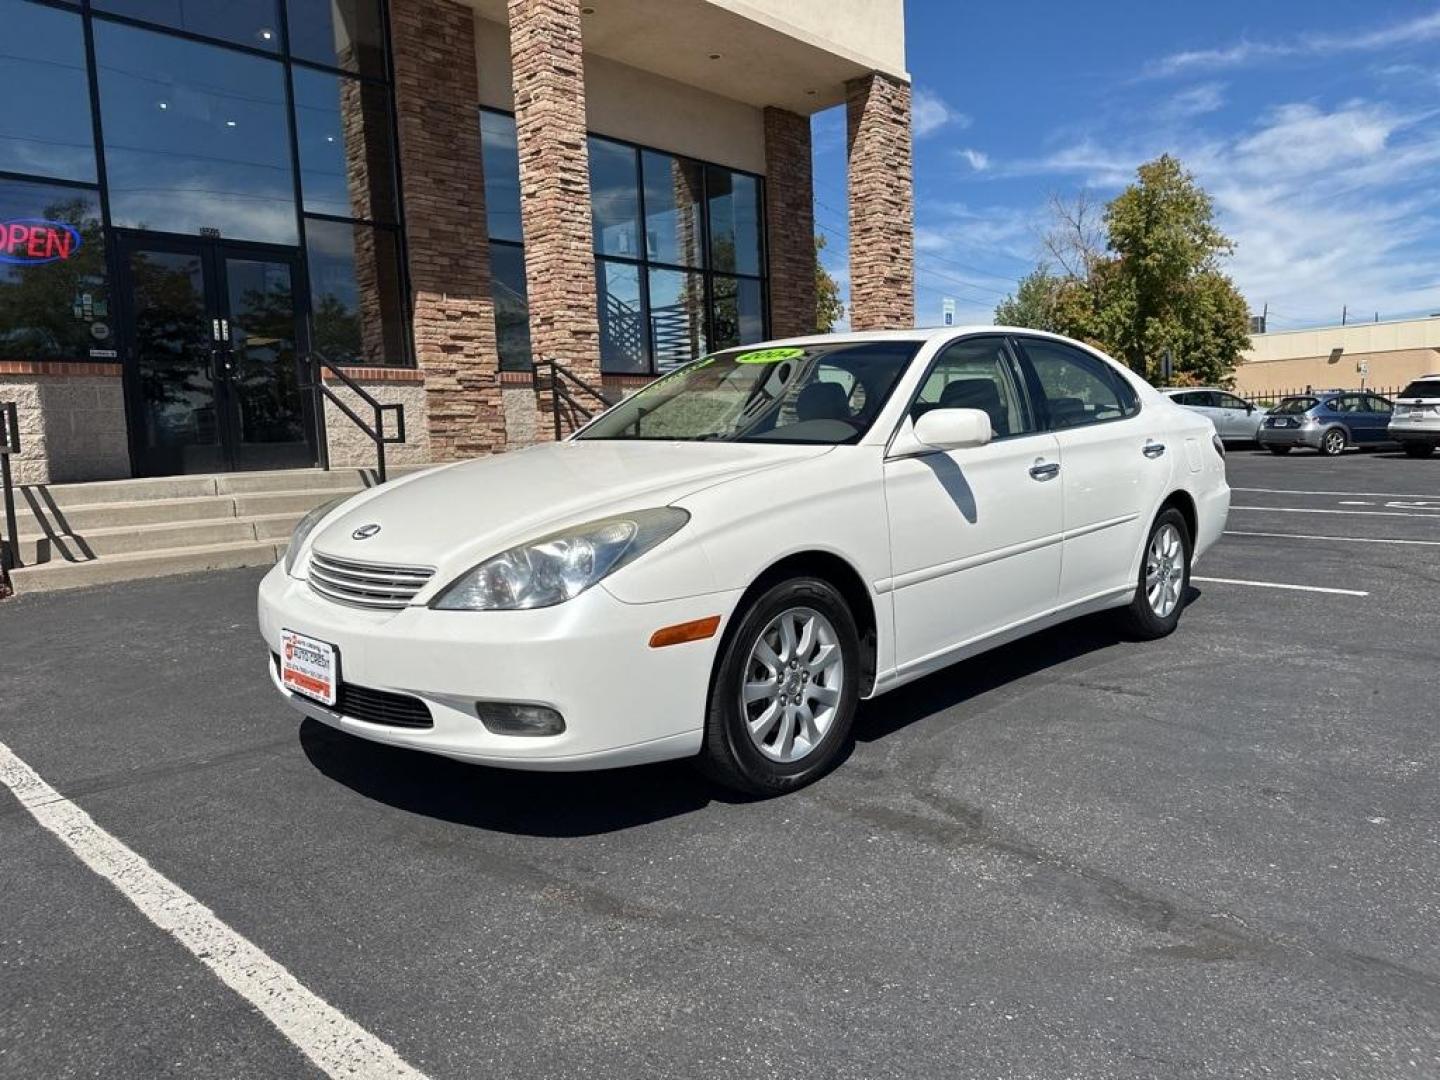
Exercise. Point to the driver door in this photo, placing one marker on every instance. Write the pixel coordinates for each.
(974, 533)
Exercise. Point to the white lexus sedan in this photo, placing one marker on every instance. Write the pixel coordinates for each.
(724, 564)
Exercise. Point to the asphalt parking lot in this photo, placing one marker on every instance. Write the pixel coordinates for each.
(1215, 855)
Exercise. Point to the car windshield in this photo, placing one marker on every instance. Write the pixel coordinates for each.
(1426, 388)
(1293, 405)
(821, 394)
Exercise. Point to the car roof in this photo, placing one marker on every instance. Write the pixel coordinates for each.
(919, 334)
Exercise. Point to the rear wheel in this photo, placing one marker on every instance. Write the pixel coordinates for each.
(783, 699)
(1418, 449)
(1332, 443)
(1164, 578)
(1279, 451)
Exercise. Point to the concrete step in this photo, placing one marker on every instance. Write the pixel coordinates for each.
(149, 564)
(145, 489)
(80, 520)
(285, 502)
(250, 483)
(129, 540)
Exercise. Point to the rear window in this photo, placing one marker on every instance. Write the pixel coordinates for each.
(1422, 388)
(1293, 405)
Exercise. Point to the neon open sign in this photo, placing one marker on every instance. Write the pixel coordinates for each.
(31, 241)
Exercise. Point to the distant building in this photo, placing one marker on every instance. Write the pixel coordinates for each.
(1381, 354)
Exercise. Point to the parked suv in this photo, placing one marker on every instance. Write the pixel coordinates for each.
(1416, 422)
(1235, 419)
(1327, 421)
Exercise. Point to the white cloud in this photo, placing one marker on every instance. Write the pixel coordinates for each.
(1246, 52)
(929, 112)
(1195, 101)
(976, 159)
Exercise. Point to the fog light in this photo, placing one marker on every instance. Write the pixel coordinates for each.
(507, 718)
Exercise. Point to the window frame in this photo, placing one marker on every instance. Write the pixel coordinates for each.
(1112, 375)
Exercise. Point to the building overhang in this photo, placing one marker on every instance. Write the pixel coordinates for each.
(727, 47)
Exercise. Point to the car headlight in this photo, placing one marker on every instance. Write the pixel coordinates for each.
(305, 528)
(561, 566)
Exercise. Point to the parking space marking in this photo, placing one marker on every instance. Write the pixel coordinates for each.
(1279, 585)
(1352, 494)
(1341, 539)
(1363, 513)
(330, 1039)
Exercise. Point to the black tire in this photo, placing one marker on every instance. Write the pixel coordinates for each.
(1140, 620)
(1332, 443)
(1279, 451)
(1418, 449)
(730, 755)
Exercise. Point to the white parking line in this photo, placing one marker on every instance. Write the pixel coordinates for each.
(1362, 513)
(339, 1046)
(1279, 585)
(1353, 494)
(1341, 539)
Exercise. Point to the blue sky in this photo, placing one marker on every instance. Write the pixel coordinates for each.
(1315, 127)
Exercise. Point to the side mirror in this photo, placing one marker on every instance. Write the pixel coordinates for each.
(954, 429)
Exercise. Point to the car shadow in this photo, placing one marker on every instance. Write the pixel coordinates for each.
(575, 804)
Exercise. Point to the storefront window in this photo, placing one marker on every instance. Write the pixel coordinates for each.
(615, 199)
(677, 317)
(512, 310)
(54, 300)
(356, 295)
(623, 331)
(246, 22)
(734, 221)
(501, 161)
(196, 137)
(347, 160)
(739, 312)
(45, 122)
(347, 34)
(674, 229)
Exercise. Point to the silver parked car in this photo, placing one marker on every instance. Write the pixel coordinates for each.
(1235, 419)
(1415, 423)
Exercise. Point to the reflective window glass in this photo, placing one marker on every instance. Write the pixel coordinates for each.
(347, 34)
(512, 310)
(501, 161)
(734, 221)
(356, 296)
(246, 22)
(677, 317)
(54, 299)
(196, 137)
(615, 199)
(1079, 388)
(622, 323)
(673, 192)
(739, 312)
(45, 121)
(347, 163)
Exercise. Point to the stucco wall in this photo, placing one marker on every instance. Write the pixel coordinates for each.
(72, 427)
(627, 103)
(1329, 356)
(869, 29)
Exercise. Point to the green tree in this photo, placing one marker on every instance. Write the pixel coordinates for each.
(828, 306)
(1034, 305)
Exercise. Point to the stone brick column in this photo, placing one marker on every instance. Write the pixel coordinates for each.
(790, 222)
(449, 247)
(549, 82)
(882, 214)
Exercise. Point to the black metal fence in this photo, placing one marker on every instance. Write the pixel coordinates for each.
(1267, 398)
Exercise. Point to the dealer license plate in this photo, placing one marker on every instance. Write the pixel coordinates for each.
(308, 666)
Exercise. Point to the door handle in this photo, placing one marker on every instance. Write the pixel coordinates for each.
(1153, 449)
(1044, 470)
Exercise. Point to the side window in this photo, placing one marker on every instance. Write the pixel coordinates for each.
(1079, 388)
(1230, 401)
(1379, 404)
(1338, 404)
(976, 374)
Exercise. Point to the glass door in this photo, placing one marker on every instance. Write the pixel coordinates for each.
(212, 332)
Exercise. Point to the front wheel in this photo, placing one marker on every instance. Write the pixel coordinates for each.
(1332, 444)
(1164, 579)
(783, 699)
(1418, 449)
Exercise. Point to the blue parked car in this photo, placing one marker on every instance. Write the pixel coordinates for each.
(1327, 421)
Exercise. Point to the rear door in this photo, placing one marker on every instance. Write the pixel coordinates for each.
(1379, 411)
(1236, 418)
(1115, 464)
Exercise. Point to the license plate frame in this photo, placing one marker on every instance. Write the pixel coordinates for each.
(309, 667)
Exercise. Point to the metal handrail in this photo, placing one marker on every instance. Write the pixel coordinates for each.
(315, 366)
(9, 446)
(568, 388)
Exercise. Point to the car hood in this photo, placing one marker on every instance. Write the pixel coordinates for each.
(467, 512)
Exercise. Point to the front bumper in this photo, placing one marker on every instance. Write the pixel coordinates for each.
(624, 703)
(1297, 436)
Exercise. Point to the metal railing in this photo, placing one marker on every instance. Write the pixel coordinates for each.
(9, 447)
(1267, 398)
(573, 401)
(315, 366)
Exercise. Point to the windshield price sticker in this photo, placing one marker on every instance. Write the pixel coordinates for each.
(769, 356)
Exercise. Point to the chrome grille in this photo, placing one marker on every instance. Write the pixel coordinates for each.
(366, 585)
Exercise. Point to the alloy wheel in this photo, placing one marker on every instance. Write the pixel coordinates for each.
(1334, 442)
(792, 684)
(1164, 570)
